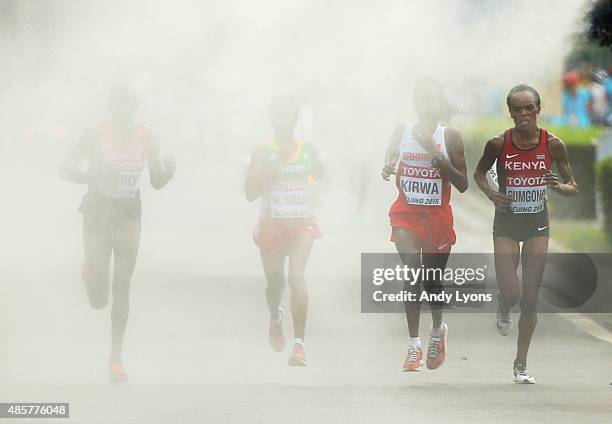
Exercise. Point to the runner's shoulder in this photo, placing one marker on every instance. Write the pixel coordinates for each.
(496, 143)
(264, 149)
(146, 133)
(452, 133)
(552, 139)
(308, 147)
(399, 130)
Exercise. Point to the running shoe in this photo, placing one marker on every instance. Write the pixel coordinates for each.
(414, 359)
(297, 358)
(503, 320)
(436, 351)
(116, 372)
(522, 376)
(276, 337)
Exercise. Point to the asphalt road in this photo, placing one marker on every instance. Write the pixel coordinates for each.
(196, 347)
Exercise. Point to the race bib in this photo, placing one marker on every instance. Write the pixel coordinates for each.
(527, 199)
(290, 204)
(125, 185)
(422, 191)
(124, 165)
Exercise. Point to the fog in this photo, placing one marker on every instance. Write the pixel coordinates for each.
(204, 72)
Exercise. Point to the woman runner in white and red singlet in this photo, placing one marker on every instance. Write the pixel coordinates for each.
(524, 156)
(430, 159)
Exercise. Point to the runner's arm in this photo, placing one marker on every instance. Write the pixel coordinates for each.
(455, 168)
(392, 154)
(491, 152)
(69, 169)
(317, 170)
(258, 176)
(559, 154)
(159, 173)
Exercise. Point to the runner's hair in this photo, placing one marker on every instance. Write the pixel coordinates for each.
(523, 87)
(430, 81)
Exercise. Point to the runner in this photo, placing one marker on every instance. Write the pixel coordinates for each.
(281, 173)
(524, 156)
(430, 159)
(116, 152)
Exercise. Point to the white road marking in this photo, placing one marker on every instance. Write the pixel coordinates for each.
(591, 327)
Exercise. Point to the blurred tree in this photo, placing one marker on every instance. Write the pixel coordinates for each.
(599, 21)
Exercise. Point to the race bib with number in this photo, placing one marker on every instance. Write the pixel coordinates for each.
(422, 186)
(125, 165)
(527, 199)
(290, 204)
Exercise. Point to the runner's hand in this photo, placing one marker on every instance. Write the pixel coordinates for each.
(169, 166)
(552, 180)
(271, 167)
(425, 138)
(387, 171)
(501, 200)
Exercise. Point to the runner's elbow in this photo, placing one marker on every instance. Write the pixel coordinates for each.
(462, 186)
(157, 183)
(250, 194)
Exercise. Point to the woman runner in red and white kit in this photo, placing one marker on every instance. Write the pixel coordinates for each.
(524, 156)
(430, 159)
(281, 173)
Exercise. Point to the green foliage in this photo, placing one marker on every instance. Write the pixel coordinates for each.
(582, 206)
(575, 135)
(580, 236)
(604, 179)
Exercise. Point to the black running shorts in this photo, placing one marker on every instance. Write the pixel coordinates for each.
(520, 227)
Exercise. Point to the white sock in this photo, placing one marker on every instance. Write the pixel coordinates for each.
(414, 341)
(437, 332)
(298, 341)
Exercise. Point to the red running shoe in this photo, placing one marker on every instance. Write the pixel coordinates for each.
(414, 359)
(436, 351)
(297, 358)
(276, 337)
(116, 372)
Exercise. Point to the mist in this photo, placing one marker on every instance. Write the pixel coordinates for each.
(204, 73)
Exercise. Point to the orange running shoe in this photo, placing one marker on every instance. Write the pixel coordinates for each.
(297, 358)
(276, 337)
(436, 351)
(414, 359)
(116, 372)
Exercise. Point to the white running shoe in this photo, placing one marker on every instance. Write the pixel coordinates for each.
(503, 321)
(522, 376)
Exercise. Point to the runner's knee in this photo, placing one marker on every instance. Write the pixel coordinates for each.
(95, 277)
(296, 281)
(529, 317)
(529, 304)
(121, 291)
(98, 297)
(275, 278)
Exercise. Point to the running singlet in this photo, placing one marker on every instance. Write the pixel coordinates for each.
(290, 195)
(121, 162)
(419, 182)
(521, 174)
